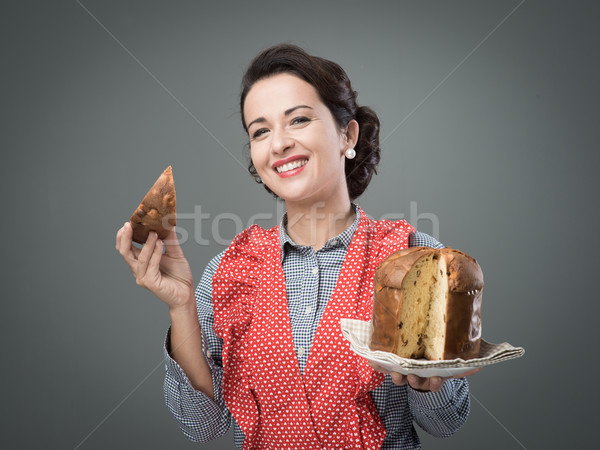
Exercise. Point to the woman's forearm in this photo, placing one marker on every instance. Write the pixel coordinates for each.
(186, 347)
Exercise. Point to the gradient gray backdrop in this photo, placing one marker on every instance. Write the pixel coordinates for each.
(497, 137)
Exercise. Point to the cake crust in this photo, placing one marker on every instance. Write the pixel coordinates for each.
(447, 270)
(157, 211)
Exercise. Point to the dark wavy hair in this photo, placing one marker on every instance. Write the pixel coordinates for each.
(335, 91)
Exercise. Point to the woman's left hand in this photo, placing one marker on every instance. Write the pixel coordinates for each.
(431, 384)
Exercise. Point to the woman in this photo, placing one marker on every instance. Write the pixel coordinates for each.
(266, 312)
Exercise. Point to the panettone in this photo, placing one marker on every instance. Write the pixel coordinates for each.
(427, 303)
(157, 211)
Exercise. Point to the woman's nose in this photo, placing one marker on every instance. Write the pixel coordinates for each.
(281, 141)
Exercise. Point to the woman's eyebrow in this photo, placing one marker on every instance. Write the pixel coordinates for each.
(287, 112)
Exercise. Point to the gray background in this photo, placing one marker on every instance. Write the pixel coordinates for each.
(497, 139)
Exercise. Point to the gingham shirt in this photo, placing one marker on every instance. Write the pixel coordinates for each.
(310, 277)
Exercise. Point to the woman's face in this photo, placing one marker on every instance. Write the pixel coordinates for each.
(295, 144)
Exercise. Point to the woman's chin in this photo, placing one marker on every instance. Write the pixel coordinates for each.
(292, 192)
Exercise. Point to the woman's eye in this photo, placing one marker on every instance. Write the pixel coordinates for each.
(298, 120)
(259, 133)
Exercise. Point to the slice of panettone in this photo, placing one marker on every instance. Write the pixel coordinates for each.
(157, 211)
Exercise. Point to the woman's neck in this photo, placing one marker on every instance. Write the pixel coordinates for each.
(313, 225)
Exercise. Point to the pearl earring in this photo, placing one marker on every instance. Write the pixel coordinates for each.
(350, 153)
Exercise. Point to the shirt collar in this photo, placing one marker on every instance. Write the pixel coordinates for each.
(341, 240)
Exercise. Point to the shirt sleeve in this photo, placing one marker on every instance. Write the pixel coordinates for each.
(441, 413)
(419, 239)
(200, 418)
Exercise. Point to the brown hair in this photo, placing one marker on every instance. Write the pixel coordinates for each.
(335, 91)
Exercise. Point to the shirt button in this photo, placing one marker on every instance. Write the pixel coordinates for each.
(334, 242)
(315, 271)
(301, 351)
(208, 354)
(308, 310)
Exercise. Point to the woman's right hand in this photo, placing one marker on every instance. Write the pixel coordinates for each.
(168, 275)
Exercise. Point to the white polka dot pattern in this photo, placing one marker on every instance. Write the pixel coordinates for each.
(274, 404)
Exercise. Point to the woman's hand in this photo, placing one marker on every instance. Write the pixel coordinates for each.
(168, 275)
(431, 384)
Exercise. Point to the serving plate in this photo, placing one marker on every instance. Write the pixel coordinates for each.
(358, 333)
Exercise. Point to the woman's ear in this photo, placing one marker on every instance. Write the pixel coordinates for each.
(351, 134)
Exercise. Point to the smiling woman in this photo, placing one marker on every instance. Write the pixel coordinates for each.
(334, 90)
(296, 146)
(258, 345)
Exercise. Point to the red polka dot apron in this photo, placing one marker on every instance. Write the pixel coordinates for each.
(276, 406)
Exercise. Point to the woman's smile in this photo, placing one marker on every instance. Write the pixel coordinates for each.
(290, 166)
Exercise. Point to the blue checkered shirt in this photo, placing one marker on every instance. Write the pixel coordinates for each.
(310, 278)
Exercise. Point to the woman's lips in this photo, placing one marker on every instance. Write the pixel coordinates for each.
(290, 166)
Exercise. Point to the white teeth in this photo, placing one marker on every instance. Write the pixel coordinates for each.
(291, 165)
